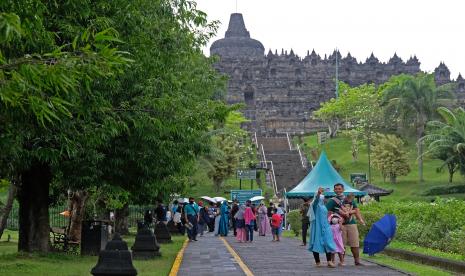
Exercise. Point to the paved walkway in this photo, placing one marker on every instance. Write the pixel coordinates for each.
(210, 256)
(207, 257)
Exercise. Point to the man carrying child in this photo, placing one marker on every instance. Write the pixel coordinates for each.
(347, 208)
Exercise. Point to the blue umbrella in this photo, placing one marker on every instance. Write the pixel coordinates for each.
(380, 235)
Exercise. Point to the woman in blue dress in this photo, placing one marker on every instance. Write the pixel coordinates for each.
(321, 236)
(224, 220)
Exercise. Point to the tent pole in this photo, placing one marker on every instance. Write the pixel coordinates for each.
(285, 209)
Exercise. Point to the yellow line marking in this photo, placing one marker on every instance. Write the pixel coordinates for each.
(237, 258)
(177, 262)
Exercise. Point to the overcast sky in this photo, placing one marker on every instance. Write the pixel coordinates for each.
(432, 30)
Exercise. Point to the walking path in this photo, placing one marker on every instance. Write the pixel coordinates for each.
(207, 257)
(211, 256)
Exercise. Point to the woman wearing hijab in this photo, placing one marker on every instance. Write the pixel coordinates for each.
(224, 219)
(249, 219)
(217, 218)
(321, 235)
(240, 224)
(264, 223)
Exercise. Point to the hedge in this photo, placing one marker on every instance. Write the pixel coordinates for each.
(439, 225)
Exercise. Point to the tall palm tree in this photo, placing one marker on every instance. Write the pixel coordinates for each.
(447, 137)
(413, 100)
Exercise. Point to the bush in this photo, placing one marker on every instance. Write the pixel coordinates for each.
(445, 190)
(437, 225)
(295, 219)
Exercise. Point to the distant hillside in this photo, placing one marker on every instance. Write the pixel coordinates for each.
(408, 187)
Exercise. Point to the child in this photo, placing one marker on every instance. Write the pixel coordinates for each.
(349, 208)
(336, 227)
(276, 221)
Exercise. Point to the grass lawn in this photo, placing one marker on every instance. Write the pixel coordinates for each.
(407, 187)
(417, 269)
(12, 263)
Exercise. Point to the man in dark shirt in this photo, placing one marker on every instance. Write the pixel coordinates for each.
(234, 209)
(305, 220)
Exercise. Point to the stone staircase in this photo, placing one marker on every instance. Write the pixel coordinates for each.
(287, 164)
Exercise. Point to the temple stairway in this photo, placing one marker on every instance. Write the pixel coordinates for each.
(287, 164)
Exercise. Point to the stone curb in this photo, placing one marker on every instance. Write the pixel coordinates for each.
(450, 265)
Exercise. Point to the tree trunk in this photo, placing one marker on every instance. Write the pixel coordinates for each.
(34, 224)
(420, 152)
(369, 156)
(77, 210)
(121, 220)
(451, 168)
(8, 206)
(393, 178)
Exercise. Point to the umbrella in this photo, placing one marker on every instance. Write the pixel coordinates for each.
(257, 198)
(219, 199)
(380, 235)
(207, 198)
(183, 200)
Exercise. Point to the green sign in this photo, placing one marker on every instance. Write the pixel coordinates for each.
(243, 195)
(246, 174)
(358, 176)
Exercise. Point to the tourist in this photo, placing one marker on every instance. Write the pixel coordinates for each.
(264, 223)
(211, 216)
(148, 218)
(281, 212)
(203, 218)
(224, 219)
(160, 212)
(217, 218)
(249, 218)
(255, 212)
(269, 211)
(346, 208)
(182, 218)
(336, 222)
(191, 211)
(234, 209)
(240, 224)
(305, 220)
(276, 221)
(321, 237)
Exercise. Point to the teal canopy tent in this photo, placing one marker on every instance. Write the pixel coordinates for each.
(323, 175)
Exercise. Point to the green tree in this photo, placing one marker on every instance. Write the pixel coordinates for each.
(412, 101)
(445, 139)
(390, 157)
(47, 65)
(227, 148)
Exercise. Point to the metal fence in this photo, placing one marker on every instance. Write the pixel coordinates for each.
(56, 220)
(136, 213)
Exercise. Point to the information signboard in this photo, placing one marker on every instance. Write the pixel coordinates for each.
(243, 195)
(246, 174)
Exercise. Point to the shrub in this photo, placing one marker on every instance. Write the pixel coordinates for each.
(295, 219)
(445, 190)
(437, 225)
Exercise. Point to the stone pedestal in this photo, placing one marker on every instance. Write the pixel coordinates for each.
(115, 260)
(172, 228)
(162, 233)
(145, 245)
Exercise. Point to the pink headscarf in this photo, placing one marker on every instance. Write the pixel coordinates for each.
(248, 215)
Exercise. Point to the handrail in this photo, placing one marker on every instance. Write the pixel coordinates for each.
(288, 141)
(302, 161)
(263, 153)
(256, 140)
(274, 179)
